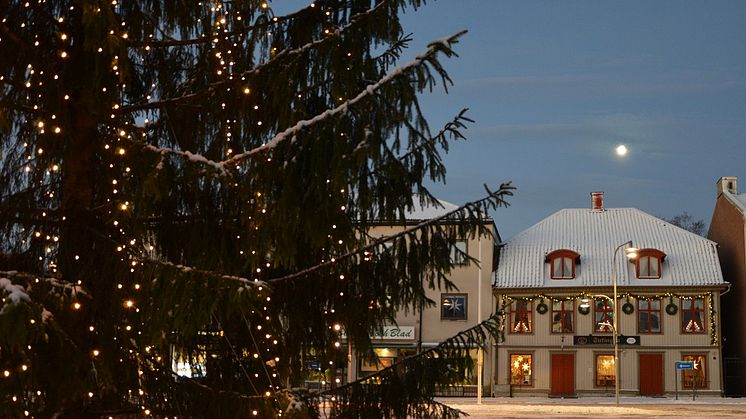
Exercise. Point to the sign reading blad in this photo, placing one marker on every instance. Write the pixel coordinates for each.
(390, 333)
(605, 340)
(396, 333)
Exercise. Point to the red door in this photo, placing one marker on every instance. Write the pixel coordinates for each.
(651, 374)
(563, 374)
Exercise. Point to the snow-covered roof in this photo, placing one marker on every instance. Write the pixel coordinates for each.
(690, 260)
(738, 199)
(428, 212)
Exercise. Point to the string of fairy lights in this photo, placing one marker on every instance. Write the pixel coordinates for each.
(708, 297)
(120, 134)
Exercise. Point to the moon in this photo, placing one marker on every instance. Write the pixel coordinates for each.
(621, 150)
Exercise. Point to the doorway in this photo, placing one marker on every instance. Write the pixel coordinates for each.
(651, 374)
(563, 374)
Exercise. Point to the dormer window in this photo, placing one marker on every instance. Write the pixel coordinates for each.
(648, 263)
(562, 263)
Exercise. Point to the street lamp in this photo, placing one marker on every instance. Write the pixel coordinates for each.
(631, 253)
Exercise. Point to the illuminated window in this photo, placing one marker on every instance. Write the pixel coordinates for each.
(521, 317)
(649, 315)
(562, 316)
(697, 377)
(693, 315)
(605, 371)
(453, 306)
(603, 311)
(562, 263)
(459, 252)
(648, 263)
(521, 368)
(189, 364)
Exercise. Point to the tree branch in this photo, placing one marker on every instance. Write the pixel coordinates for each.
(497, 197)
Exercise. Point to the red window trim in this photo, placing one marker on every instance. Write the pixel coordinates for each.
(693, 310)
(529, 312)
(649, 310)
(562, 253)
(563, 309)
(608, 315)
(649, 252)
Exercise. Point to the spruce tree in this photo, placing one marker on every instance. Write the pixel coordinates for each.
(193, 181)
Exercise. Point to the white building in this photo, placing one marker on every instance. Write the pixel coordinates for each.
(668, 299)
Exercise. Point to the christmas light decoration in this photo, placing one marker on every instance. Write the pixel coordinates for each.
(185, 194)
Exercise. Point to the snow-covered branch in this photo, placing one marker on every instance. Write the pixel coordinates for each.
(12, 292)
(496, 197)
(443, 44)
(224, 167)
(190, 269)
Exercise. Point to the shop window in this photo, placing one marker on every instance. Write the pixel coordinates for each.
(562, 263)
(605, 371)
(648, 263)
(649, 315)
(521, 369)
(521, 316)
(696, 377)
(603, 313)
(459, 252)
(562, 316)
(693, 315)
(453, 306)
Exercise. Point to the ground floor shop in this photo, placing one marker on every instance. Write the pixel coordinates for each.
(582, 370)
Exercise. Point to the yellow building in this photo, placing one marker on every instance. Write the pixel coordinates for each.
(455, 310)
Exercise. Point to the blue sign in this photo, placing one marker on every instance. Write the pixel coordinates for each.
(684, 365)
(314, 365)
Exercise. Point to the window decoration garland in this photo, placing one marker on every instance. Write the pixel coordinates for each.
(708, 296)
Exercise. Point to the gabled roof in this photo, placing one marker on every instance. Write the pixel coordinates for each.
(691, 260)
(738, 200)
(429, 212)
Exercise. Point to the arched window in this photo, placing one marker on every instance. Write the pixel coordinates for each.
(562, 263)
(648, 263)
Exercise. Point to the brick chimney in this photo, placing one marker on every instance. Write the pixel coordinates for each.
(597, 201)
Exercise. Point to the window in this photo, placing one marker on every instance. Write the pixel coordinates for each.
(648, 263)
(562, 316)
(697, 377)
(521, 316)
(604, 316)
(605, 370)
(693, 315)
(459, 252)
(521, 367)
(649, 315)
(453, 306)
(562, 263)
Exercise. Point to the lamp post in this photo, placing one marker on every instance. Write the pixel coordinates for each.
(631, 253)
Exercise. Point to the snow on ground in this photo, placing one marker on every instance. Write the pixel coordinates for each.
(647, 407)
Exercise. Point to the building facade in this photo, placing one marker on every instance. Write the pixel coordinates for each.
(728, 229)
(555, 283)
(455, 310)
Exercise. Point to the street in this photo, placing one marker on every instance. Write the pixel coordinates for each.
(527, 407)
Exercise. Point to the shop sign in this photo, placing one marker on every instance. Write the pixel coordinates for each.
(395, 333)
(605, 340)
(390, 333)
